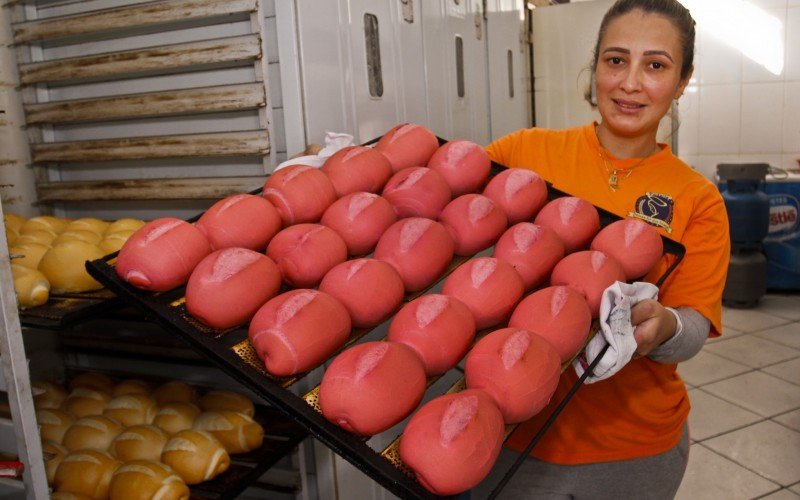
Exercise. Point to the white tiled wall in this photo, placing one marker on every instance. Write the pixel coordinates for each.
(735, 110)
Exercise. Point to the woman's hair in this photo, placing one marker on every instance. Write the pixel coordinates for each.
(671, 9)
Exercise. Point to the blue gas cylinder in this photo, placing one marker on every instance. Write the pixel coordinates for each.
(747, 205)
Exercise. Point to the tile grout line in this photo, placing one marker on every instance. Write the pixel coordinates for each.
(780, 486)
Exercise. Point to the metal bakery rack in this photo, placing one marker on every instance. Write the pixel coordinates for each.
(232, 352)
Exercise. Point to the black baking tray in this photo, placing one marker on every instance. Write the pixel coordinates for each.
(66, 309)
(232, 352)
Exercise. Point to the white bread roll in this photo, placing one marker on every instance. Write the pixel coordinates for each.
(44, 222)
(113, 242)
(132, 409)
(30, 286)
(56, 452)
(48, 394)
(92, 380)
(88, 224)
(176, 416)
(126, 224)
(227, 401)
(140, 442)
(94, 432)
(13, 221)
(77, 235)
(196, 456)
(32, 254)
(131, 386)
(83, 402)
(38, 236)
(237, 432)
(174, 391)
(86, 472)
(149, 479)
(64, 265)
(53, 424)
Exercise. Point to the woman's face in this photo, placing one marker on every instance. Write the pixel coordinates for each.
(638, 73)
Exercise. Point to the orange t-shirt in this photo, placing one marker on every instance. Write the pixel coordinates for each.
(639, 411)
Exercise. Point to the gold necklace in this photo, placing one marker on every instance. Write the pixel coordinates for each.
(614, 173)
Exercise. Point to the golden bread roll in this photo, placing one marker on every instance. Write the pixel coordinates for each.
(53, 424)
(32, 254)
(66, 495)
(94, 432)
(48, 394)
(196, 456)
(44, 222)
(30, 286)
(11, 236)
(88, 224)
(131, 386)
(176, 416)
(86, 472)
(13, 221)
(65, 266)
(147, 479)
(39, 236)
(132, 409)
(78, 235)
(175, 391)
(237, 432)
(83, 402)
(93, 380)
(113, 242)
(124, 225)
(140, 442)
(227, 401)
(56, 454)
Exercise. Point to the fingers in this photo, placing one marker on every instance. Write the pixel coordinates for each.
(643, 311)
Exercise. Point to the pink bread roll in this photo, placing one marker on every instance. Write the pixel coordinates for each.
(162, 254)
(558, 314)
(357, 168)
(417, 192)
(488, 286)
(636, 245)
(452, 442)
(360, 219)
(371, 387)
(241, 220)
(348, 281)
(297, 330)
(533, 251)
(574, 220)
(474, 222)
(518, 369)
(305, 252)
(419, 250)
(521, 193)
(439, 328)
(463, 164)
(590, 272)
(227, 287)
(407, 145)
(300, 193)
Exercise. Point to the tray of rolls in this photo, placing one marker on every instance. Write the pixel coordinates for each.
(460, 261)
(48, 256)
(131, 438)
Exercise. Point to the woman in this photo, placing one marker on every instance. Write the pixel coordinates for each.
(626, 436)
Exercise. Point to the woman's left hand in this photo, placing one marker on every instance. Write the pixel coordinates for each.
(653, 325)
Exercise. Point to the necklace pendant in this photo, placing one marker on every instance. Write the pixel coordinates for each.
(613, 181)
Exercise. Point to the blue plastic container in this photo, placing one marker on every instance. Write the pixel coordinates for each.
(782, 244)
(742, 187)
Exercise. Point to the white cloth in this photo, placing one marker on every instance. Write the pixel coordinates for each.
(616, 329)
(334, 141)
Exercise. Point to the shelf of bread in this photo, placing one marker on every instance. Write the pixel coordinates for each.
(109, 438)
(268, 310)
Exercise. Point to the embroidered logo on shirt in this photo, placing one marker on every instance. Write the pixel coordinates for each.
(655, 209)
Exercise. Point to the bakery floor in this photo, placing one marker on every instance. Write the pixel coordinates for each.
(745, 393)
